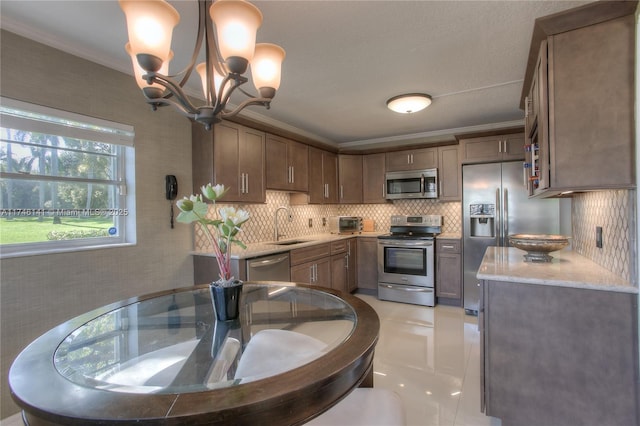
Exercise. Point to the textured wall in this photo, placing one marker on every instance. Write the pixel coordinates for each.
(39, 292)
(615, 212)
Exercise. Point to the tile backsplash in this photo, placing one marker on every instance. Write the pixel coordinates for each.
(615, 212)
(261, 226)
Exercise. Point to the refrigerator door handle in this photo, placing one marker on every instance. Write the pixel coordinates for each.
(498, 213)
(505, 219)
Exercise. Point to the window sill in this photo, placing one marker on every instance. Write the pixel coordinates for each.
(8, 254)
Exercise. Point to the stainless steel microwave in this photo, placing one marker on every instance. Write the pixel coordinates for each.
(345, 224)
(412, 184)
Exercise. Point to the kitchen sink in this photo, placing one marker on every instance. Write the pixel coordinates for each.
(289, 242)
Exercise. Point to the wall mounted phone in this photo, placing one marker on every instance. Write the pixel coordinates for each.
(171, 191)
(171, 184)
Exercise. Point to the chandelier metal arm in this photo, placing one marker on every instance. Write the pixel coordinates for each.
(156, 102)
(217, 60)
(238, 80)
(202, 19)
(266, 102)
(174, 89)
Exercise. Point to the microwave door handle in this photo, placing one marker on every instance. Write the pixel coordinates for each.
(422, 186)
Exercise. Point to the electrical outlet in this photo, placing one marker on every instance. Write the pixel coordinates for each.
(599, 236)
(310, 223)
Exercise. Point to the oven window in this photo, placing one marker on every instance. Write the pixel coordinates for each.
(409, 261)
(404, 186)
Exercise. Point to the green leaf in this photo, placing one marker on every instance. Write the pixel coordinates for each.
(200, 208)
(187, 217)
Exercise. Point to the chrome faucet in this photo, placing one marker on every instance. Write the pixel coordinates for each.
(276, 235)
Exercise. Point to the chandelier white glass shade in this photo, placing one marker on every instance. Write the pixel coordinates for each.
(229, 52)
(409, 103)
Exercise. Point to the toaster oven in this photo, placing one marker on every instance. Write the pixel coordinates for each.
(345, 224)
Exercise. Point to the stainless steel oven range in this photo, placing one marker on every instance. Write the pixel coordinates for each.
(406, 260)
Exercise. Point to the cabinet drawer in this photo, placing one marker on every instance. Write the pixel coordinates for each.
(307, 254)
(447, 246)
(338, 246)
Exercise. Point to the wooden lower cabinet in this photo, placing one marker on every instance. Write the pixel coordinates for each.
(367, 264)
(311, 265)
(316, 272)
(555, 355)
(352, 264)
(449, 271)
(339, 272)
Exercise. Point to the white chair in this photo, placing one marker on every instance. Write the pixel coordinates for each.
(270, 352)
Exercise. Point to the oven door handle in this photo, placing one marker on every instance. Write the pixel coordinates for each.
(409, 289)
(401, 244)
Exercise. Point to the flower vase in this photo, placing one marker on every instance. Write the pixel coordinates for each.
(225, 295)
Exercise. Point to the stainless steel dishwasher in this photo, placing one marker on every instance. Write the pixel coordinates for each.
(274, 267)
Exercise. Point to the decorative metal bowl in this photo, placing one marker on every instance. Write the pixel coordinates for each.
(539, 246)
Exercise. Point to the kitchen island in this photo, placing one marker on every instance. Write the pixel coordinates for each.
(559, 341)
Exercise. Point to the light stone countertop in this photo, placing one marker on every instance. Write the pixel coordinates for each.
(449, 236)
(266, 248)
(567, 269)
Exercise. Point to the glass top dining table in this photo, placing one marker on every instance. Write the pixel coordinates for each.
(164, 358)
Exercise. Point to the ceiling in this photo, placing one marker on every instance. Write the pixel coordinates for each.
(344, 60)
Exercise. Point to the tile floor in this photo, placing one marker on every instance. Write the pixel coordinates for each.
(431, 358)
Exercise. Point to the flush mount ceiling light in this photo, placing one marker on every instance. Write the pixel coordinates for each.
(229, 52)
(409, 103)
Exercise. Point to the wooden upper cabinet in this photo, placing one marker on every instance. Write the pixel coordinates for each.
(373, 185)
(490, 149)
(232, 155)
(350, 179)
(449, 173)
(413, 159)
(591, 97)
(286, 164)
(323, 177)
(579, 100)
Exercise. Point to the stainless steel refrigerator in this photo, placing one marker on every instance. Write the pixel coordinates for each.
(495, 204)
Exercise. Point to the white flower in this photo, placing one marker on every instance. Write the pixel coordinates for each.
(237, 217)
(213, 192)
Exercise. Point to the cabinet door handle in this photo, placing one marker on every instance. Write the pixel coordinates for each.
(246, 183)
(500, 147)
(505, 146)
(447, 246)
(341, 192)
(408, 158)
(242, 183)
(346, 261)
(526, 107)
(293, 174)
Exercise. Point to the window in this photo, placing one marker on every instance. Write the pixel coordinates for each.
(66, 181)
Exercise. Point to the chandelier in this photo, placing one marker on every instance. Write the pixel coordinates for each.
(230, 50)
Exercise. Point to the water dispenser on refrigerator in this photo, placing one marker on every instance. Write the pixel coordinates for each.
(482, 220)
